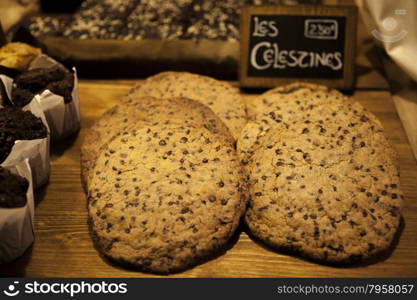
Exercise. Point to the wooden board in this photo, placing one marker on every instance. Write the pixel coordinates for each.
(63, 247)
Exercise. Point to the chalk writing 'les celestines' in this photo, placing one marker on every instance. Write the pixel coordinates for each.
(266, 54)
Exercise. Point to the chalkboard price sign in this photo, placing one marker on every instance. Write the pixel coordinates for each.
(280, 44)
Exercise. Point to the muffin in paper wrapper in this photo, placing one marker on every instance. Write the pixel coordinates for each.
(63, 118)
(35, 151)
(17, 224)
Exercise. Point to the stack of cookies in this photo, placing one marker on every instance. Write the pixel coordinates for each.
(164, 182)
(323, 179)
(167, 187)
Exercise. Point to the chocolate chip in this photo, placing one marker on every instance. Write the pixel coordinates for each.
(264, 208)
(212, 198)
(185, 210)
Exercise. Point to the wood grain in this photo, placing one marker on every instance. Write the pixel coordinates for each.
(63, 247)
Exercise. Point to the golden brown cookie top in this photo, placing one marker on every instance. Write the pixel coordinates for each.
(164, 196)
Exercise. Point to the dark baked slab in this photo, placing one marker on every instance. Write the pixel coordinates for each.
(141, 38)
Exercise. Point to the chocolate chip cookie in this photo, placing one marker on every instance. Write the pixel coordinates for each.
(324, 185)
(163, 197)
(141, 111)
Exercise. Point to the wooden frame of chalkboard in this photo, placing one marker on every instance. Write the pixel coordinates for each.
(323, 41)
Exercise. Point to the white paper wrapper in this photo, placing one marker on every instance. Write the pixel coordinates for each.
(37, 154)
(16, 224)
(8, 84)
(63, 118)
(36, 151)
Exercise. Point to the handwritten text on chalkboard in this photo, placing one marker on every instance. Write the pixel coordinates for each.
(296, 46)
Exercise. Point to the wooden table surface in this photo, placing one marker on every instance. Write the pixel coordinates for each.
(63, 247)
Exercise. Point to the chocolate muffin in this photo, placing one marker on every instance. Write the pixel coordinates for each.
(13, 189)
(16, 124)
(33, 82)
(9, 72)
